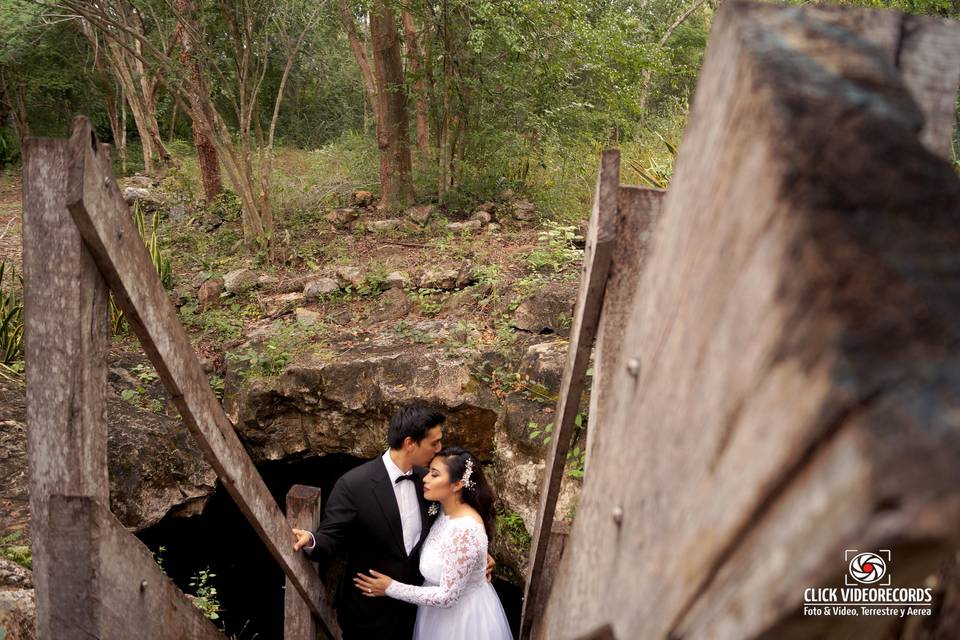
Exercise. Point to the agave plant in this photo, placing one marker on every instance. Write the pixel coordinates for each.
(160, 262)
(11, 315)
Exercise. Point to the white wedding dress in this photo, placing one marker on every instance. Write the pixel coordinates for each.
(455, 602)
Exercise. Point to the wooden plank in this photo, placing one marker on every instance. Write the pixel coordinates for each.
(638, 209)
(108, 583)
(596, 263)
(795, 329)
(67, 321)
(105, 224)
(303, 512)
(929, 61)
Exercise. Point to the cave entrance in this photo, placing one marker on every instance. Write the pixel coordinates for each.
(249, 583)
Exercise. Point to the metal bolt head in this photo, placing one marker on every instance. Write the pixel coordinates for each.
(633, 367)
(106, 181)
(617, 515)
(143, 585)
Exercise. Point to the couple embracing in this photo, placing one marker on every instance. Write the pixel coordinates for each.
(414, 526)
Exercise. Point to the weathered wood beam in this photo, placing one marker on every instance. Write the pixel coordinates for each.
(596, 264)
(303, 512)
(638, 209)
(104, 221)
(794, 347)
(67, 317)
(108, 583)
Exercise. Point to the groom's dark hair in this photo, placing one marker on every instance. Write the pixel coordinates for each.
(412, 421)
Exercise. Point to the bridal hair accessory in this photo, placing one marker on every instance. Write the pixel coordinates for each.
(467, 482)
(433, 510)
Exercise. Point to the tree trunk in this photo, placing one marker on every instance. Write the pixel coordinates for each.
(396, 183)
(416, 68)
(207, 156)
(360, 54)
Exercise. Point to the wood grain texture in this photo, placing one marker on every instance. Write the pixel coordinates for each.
(108, 583)
(303, 512)
(797, 328)
(596, 264)
(67, 321)
(105, 224)
(638, 210)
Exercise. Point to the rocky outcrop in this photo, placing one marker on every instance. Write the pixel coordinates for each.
(549, 310)
(322, 405)
(18, 612)
(154, 465)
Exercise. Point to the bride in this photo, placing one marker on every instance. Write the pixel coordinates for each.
(455, 601)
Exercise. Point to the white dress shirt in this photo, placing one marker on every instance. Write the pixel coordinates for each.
(407, 501)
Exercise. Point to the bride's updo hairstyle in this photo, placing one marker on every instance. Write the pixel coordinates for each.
(476, 491)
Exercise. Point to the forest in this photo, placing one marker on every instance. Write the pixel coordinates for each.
(448, 101)
(342, 190)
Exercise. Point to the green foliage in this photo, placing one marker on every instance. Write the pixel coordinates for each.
(13, 548)
(556, 250)
(544, 433)
(11, 315)
(510, 525)
(159, 259)
(227, 205)
(576, 459)
(205, 594)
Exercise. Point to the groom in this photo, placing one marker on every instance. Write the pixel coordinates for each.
(376, 517)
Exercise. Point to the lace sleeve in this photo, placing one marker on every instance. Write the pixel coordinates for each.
(461, 551)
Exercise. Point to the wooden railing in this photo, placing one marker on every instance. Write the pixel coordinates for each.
(687, 527)
(79, 243)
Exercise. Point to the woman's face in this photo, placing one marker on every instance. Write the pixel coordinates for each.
(436, 484)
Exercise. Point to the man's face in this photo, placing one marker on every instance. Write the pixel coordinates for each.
(422, 452)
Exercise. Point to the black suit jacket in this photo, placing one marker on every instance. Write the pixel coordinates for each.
(361, 522)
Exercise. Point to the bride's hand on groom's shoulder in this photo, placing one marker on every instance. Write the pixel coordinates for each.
(301, 539)
(373, 585)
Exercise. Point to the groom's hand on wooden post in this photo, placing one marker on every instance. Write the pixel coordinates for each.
(301, 539)
(491, 563)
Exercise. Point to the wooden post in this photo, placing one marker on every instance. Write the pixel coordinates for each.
(303, 512)
(104, 221)
(108, 584)
(638, 209)
(67, 321)
(596, 263)
(786, 385)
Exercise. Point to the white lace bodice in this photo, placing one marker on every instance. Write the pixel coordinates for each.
(453, 561)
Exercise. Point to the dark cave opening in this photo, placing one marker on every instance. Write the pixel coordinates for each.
(249, 583)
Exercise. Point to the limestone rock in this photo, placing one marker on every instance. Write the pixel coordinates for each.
(239, 281)
(421, 214)
(383, 226)
(493, 227)
(464, 275)
(155, 466)
(320, 287)
(209, 294)
(443, 279)
(18, 614)
(342, 217)
(306, 317)
(362, 198)
(398, 280)
(549, 310)
(393, 304)
(468, 226)
(483, 217)
(350, 276)
(13, 576)
(267, 280)
(523, 210)
(342, 405)
(486, 207)
(543, 362)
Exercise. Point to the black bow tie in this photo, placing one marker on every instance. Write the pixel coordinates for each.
(406, 476)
